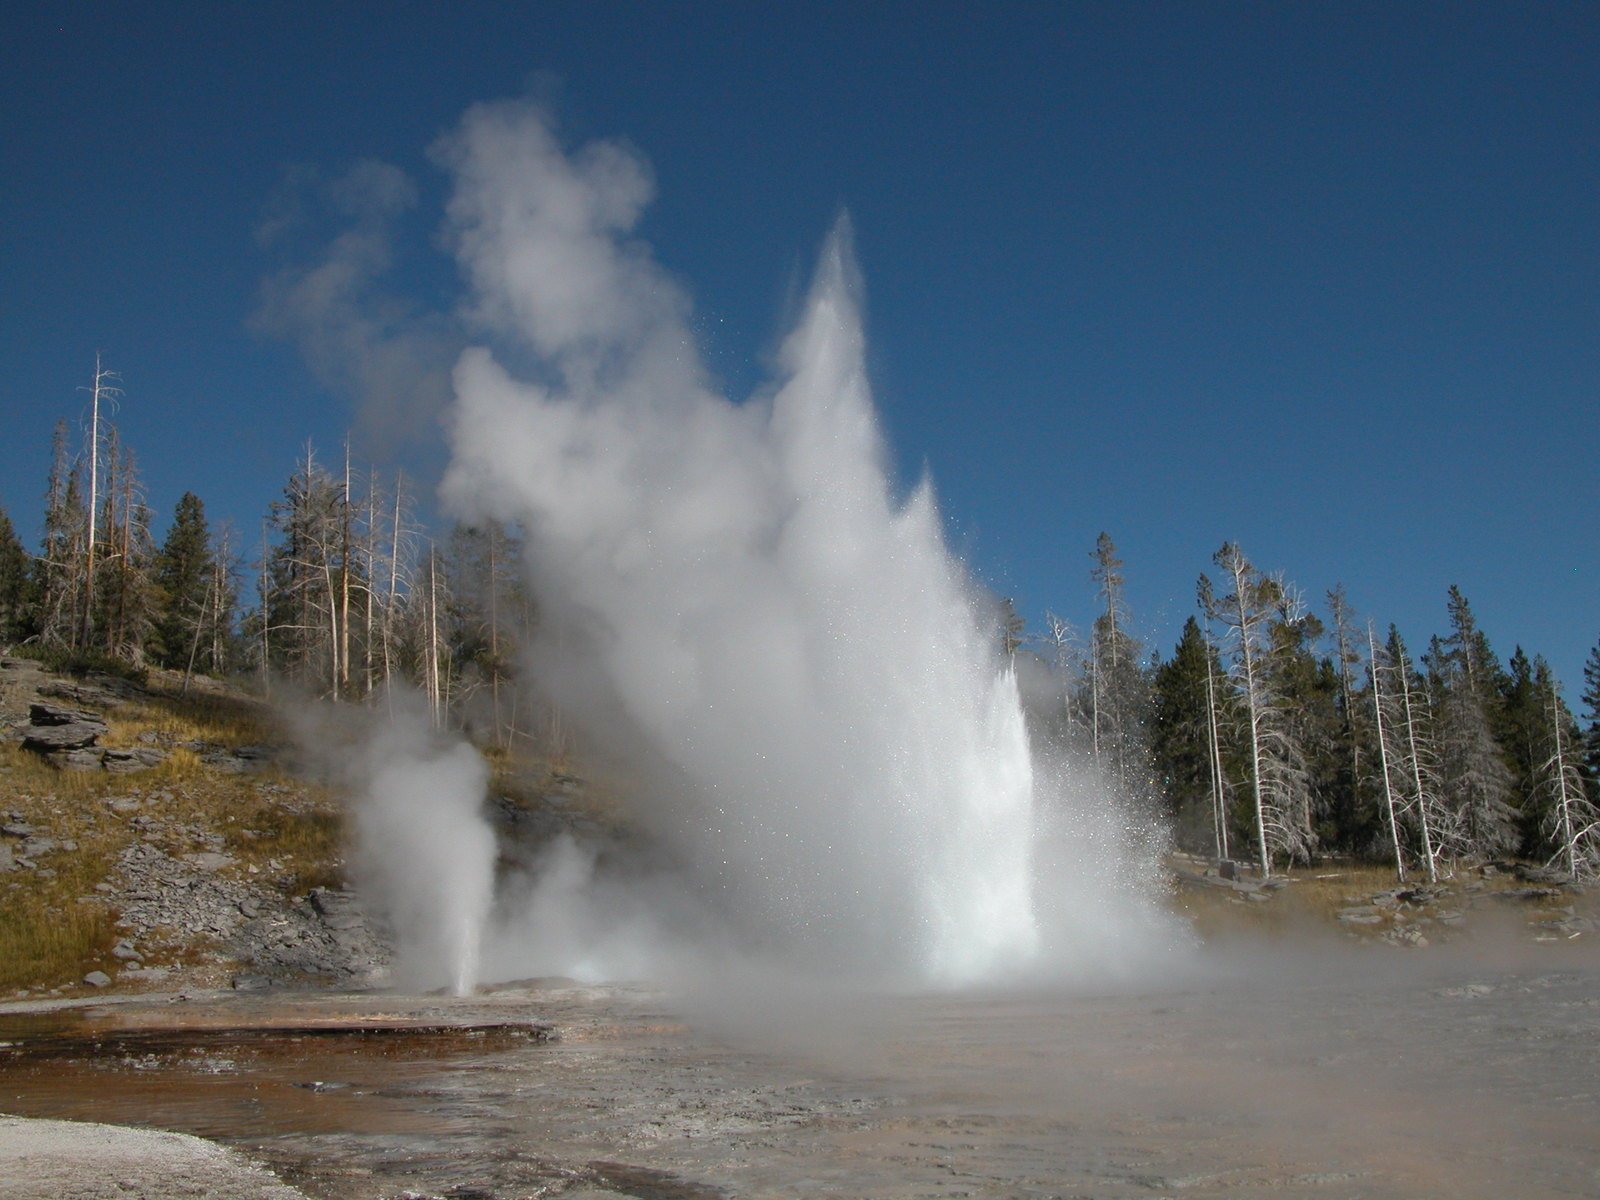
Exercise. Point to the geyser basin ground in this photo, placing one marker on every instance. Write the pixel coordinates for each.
(1457, 1079)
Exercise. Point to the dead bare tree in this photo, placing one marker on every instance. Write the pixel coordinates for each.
(1573, 823)
(102, 391)
(1279, 796)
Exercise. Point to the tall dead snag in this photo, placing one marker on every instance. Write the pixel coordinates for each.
(1572, 821)
(1392, 819)
(1219, 804)
(1279, 794)
(101, 392)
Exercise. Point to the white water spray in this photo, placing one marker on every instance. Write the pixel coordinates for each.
(730, 595)
(424, 854)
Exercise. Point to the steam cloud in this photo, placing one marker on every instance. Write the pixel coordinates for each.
(425, 854)
(788, 659)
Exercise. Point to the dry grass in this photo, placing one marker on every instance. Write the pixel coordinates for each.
(220, 719)
(54, 925)
(43, 943)
(301, 845)
(1313, 897)
(48, 936)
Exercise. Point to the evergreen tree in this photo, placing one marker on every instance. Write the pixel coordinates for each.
(1308, 690)
(298, 621)
(1013, 629)
(1184, 742)
(1558, 816)
(1591, 735)
(59, 576)
(14, 614)
(1348, 806)
(184, 574)
(1524, 726)
(124, 597)
(1118, 689)
(1418, 821)
(1464, 681)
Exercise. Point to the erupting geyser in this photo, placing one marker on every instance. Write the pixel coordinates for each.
(425, 855)
(730, 594)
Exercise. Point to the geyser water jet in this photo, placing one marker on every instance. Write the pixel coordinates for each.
(731, 596)
(424, 855)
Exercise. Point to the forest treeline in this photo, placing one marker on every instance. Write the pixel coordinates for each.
(1269, 733)
(341, 593)
(1274, 735)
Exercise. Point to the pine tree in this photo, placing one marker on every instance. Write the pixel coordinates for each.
(14, 597)
(1184, 743)
(484, 619)
(1591, 735)
(184, 573)
(1464, 680)
(125, 595)
(1118, 688)
(59, 578)
(1062, 725)
(1348, 807)
(1561, 819)
(1418, 821)
(1523, 723)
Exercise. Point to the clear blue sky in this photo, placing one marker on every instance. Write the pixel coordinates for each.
(1321, 279)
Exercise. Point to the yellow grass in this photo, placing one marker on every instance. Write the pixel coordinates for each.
(306, 841)
(47, 936)
(54, 925)
(218, 718)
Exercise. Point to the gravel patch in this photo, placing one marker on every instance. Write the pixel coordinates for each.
(72, 1160)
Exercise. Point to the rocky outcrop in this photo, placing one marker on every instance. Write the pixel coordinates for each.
(22, 846)
(52, 728)
(171, 902)
(67, 737)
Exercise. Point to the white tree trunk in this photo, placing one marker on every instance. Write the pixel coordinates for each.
(1383, 758)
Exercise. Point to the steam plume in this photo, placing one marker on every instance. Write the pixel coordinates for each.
(425, 855)
(730, 593)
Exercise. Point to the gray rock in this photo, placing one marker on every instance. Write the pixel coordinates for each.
(97, 979)
(8, 859)
(47, 715)
(127, 762)
(76, 760)
(1364, 915)
(17, 829)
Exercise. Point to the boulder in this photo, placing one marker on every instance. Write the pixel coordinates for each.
(87, 759)
(71, 735)
(97, 979)
(126, 762)
(54, 714)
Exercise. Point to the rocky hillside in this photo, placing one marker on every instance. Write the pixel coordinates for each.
(157, 837)
(149, 838)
